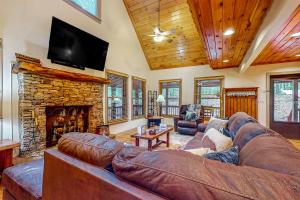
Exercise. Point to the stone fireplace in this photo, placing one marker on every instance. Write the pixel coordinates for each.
(54, 102)
(65, 119)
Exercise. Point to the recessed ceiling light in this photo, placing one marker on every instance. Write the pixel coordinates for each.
(229, 31)
(225, 61)
(298, 55)
(295, 34)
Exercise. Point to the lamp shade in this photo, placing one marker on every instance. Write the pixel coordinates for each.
(160, 99)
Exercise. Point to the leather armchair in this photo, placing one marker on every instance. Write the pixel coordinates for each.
(187, 127)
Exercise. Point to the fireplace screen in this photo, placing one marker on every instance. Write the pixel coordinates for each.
(66, 119)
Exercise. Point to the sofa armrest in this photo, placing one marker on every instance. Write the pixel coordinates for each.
(202, 127)
(68, 178)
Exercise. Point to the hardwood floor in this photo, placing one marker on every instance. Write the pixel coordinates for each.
(296, 143)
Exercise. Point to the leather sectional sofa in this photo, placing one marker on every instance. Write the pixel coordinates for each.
(88, 166)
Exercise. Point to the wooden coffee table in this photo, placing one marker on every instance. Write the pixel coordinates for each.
(150, 138)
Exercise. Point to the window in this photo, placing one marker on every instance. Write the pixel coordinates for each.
(138, 97)
(88, 7)
(208, 92)
(116, 97)
(171, 90)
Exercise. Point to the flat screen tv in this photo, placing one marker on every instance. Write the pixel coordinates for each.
(73, 47)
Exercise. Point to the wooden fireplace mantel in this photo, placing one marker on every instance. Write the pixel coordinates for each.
(33, 65)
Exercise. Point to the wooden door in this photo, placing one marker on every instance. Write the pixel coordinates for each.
(285, 105)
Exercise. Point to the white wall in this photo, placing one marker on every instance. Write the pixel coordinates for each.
(256, 76)
(26, 30)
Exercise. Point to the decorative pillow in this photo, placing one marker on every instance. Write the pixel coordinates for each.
(216, 123)
(227, 133)
(229, 156)
(191, 116)
(195, 108)
(199, 151)
(221, 141)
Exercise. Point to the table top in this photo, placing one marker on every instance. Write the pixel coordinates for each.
(8, 144)
(155, 117)
(152, 137)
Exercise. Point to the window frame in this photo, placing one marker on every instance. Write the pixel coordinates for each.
(196, 95)
(143, 97)
(180, 92)
(123, 75)
(97, 18)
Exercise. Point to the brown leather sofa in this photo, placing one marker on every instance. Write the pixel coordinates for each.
(187, 127)
(81, 169)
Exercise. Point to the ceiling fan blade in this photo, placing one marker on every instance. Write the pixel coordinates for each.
(157, 30)
(172, 31)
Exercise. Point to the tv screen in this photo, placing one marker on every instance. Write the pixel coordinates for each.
(73, 47)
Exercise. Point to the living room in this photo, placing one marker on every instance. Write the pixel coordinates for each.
(173, 77)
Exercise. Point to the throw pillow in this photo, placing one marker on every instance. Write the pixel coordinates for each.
(199, 151)
(216, 123)
(195, 108)
(190, 116)
(227, 133)
(229, 156)
(221, 141)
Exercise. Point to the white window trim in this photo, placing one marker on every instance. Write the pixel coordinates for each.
(1, 88)
(96, 18)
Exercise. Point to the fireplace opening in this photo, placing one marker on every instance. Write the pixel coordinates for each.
(65, 119)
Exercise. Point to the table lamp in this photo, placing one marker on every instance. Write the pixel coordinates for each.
(160, 99)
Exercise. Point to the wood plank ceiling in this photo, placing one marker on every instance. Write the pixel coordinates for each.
(184, 48)
(283, 47)
(214, 17)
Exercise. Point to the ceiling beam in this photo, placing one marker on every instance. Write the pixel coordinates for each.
(278, 14)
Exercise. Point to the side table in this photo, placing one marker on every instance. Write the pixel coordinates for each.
(6, 153)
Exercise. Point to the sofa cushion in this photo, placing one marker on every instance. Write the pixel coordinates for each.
(180, 175)
(216, 124)
(247, 133)
(237, 121)
(91, 148)
(24, 181)
(271, 152)
(197, 142)
(221, 141)
(187, 124)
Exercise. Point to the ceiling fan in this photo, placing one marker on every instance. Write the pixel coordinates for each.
(160, 35)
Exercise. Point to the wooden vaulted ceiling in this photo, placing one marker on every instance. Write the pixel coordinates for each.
(185, 48)
(200, 25)
(214, 17)
(283, 47)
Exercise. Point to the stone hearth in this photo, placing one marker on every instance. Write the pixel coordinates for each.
(41, 88)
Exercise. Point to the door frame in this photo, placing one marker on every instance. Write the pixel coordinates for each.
(271, 102)
(268, 92)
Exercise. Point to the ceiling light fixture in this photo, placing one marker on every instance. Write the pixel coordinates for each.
(298, 55)
(225, 61)
(295, 34)
(228, 32)
(158, 38)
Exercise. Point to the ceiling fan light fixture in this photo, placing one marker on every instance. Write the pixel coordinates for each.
(225, 61)
(298, 55)
(295, 34)
(158, 38)
(228, 32)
